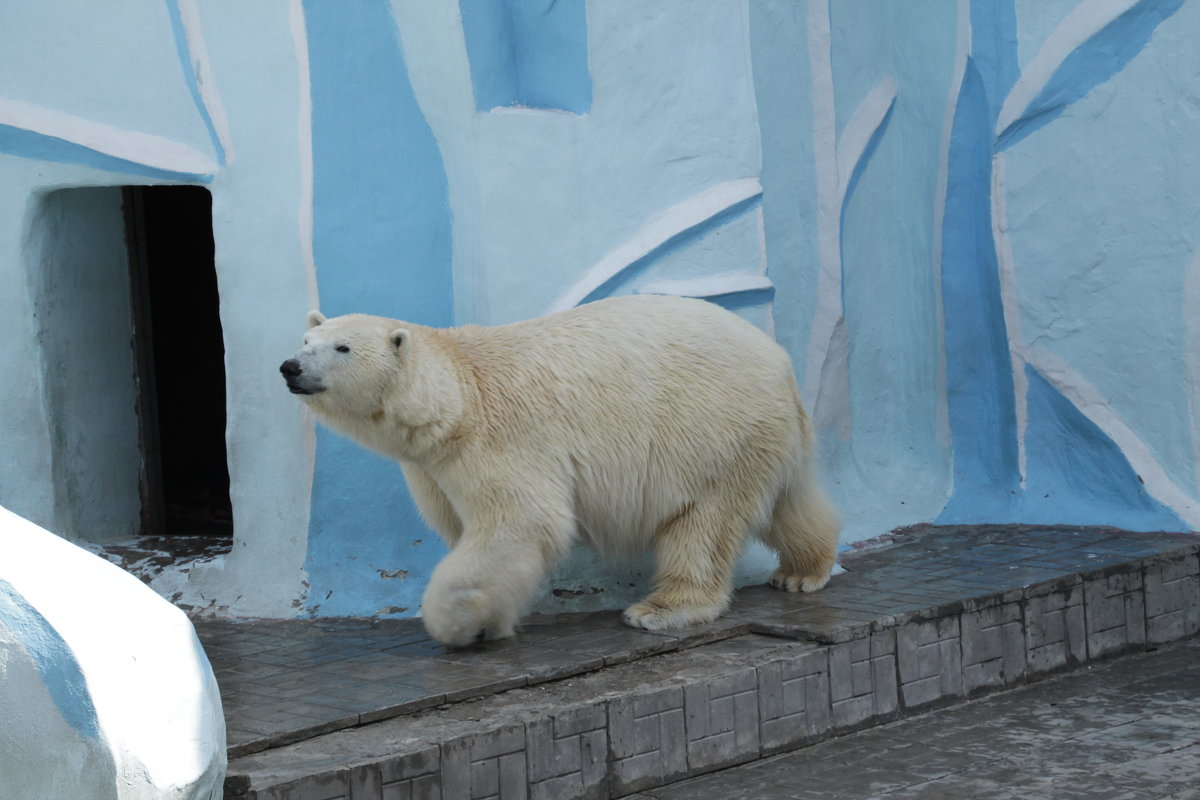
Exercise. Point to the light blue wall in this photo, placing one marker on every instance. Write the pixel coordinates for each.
(1115, 306)
(123, 99)
(1039, 429)
(970, 223)
(59, 55)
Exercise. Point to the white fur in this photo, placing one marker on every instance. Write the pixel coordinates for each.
(633, 423)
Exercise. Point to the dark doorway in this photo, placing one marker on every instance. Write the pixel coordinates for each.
(180, 361)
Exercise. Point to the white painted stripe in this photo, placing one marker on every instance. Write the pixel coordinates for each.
(193, 32)
(761, 221)
(304, 141)
(710, 285)
(1085, 21)
(140, 148)
(828, 309)
(656, 231)
(859, 129)
(1191, 355)
(1011, 305)
(1093, 405)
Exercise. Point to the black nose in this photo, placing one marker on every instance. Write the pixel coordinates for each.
(290, 368)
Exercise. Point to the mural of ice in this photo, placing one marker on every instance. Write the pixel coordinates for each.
(971, 223)
(1033, 439)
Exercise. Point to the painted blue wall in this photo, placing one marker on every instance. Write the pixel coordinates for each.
(531, 53)
(971, 225)
(1073, 472)
(381, 243)
(979, 371)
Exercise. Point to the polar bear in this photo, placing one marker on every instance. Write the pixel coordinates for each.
(632, 423)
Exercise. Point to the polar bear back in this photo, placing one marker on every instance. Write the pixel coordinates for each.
(640, 405)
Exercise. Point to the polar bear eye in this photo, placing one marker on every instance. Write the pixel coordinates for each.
(343, 348)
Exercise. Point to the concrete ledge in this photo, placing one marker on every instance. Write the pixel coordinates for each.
(811, 667)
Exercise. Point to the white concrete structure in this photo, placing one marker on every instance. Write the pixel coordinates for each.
(104, 689)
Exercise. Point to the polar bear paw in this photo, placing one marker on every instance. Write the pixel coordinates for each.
(786, 581)
(653, 617)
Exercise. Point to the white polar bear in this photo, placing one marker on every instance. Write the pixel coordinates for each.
(634, 423)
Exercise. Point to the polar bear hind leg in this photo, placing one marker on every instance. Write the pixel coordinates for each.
(695, 552)
(804, 531)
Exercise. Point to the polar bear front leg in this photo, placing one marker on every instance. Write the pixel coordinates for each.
(695, 552)
(483, 585)
(433, 504)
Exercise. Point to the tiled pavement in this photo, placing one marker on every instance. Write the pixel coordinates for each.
(1128, 729)
(286, 681)
(582, 707)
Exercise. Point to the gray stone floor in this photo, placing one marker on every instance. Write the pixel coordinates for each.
(1127, 729)
(284, 682)
(581, 708)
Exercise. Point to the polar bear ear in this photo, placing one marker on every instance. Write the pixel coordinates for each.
(400, 339)
(315, 318)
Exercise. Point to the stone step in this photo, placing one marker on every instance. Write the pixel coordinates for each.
(939, 616)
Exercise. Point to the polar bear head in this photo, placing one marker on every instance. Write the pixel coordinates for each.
(348, 366)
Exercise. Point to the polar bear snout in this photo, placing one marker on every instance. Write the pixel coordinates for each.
(298, 382)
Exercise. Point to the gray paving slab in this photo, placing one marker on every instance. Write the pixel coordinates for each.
(1127, 728)
(937, 614)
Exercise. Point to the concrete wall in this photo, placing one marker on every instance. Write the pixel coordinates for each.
(970, 223)
(78, 273)
(149, 93)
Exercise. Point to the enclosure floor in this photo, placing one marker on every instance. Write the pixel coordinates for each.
(285, 681)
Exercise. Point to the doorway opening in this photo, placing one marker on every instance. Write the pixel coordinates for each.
(180, 361)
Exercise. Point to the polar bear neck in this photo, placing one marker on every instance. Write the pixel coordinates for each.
(426, 415)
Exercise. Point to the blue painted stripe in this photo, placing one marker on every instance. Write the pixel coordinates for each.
(979, 384)
(687, 236)
(530, 53)
(1094, 62)
(52, 658)
(738, 301)
(382, 245)
(30, 144)
(994, 49)
(364, 522)
(189, 76)
(381, 209)
(1077, 474)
